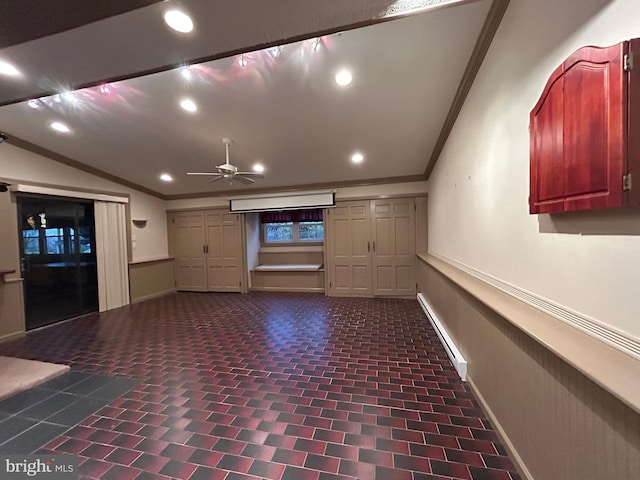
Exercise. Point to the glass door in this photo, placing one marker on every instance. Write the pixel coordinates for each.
(58, 259)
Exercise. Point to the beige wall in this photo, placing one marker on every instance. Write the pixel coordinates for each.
(369, 191)
(478, 192)
(151, 279)
(557, 423)
(562, 419)
(11, 302)
(252, 228)
(151, 241)
(18, 165)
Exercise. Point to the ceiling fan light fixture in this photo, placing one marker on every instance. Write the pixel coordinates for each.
(258, 168)
(178, 21)
(165, 177)
(229, 171)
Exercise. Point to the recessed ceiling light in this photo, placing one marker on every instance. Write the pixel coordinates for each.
(258, 168)
(179, 21)
(185, 72)
(242, 61)
(70, 97)
(357, 157)
(165, 177)
(344, 77)
(60, 127)
(188, 105)
(8, 69)
(105, 88)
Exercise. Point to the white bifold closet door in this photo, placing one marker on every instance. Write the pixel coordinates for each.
(111, 253)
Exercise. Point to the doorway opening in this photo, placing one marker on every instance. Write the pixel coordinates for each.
(58, 259)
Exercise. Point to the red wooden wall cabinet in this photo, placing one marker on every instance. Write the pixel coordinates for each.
(584, 132)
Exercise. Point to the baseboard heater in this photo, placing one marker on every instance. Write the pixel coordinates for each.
(459, 363)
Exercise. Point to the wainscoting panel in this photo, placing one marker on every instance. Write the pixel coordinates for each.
(11, 309)
(151, 279)
(557, 422)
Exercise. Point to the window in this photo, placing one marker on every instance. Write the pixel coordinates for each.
(55, 241)
(31, 240)
(278, 232)
(296, 226)
(311, 231)
(293, 232)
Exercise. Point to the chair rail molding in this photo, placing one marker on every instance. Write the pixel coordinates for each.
(607, 334)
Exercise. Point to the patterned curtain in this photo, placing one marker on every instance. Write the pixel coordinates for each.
(309, 215)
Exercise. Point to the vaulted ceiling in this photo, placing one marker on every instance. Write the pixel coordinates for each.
(260, 73)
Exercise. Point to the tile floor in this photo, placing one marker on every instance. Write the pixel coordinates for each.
(274, 386)
(32, 418)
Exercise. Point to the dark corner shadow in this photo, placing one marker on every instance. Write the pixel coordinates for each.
(624, 221)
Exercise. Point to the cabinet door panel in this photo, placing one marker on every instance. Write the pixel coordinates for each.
(394, 256)
(361, 279)
(404, 278)
(578, 133)
(385, 244)
(188, 240)
(586, 130)
(349, 237)
(404, 245)
(385, 279)
(342, 278)
(371, 247)
(594, 122)
(224, 257)
(547, 163)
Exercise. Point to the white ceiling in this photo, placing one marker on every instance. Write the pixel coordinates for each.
(285, 112)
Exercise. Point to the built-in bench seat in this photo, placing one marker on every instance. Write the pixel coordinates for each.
(289, 268)
(301, 277)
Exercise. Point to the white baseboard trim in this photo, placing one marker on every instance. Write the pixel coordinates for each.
(506, 441)
(459, 362)
(153, 295)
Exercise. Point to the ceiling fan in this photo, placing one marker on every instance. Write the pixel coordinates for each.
(228, 171)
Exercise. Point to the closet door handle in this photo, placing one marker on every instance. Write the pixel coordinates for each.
(374, 246)
(368, 246)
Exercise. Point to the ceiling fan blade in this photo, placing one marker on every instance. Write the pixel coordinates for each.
(203, 173)
(245, 180)
(251, 174)
(215, 179)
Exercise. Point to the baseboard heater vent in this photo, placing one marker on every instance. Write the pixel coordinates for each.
(455, 356)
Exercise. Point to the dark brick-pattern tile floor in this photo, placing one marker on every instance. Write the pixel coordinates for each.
(271, 386)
